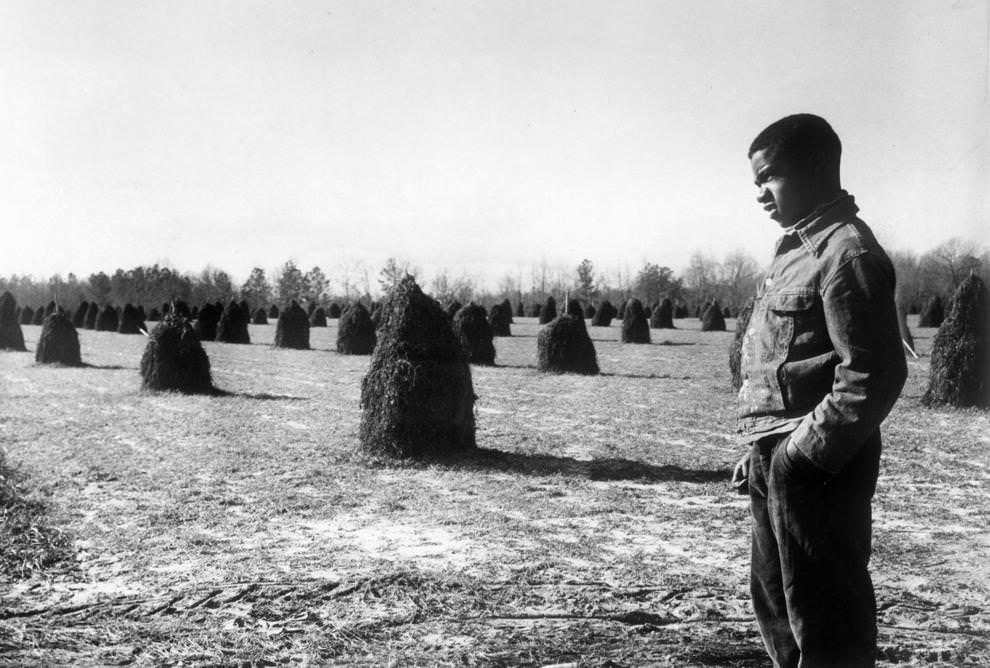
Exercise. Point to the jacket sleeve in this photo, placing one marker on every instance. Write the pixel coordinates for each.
(861, 318)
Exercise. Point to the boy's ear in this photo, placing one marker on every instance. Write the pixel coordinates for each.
(821, 168)
(816, 163)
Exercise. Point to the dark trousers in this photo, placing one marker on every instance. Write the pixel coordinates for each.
(810, 583)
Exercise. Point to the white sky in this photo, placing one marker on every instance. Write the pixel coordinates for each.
(482, 137)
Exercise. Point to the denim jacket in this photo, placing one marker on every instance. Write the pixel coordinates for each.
(823, 354)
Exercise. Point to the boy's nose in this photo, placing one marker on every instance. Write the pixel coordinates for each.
(764, 195)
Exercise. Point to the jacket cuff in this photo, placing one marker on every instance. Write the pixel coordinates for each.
(806, 439)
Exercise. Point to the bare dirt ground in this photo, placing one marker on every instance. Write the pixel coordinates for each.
(596, 526)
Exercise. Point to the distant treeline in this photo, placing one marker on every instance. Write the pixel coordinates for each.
(731, 281)
(938, 272)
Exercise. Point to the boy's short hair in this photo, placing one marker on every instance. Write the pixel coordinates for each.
(801, 139)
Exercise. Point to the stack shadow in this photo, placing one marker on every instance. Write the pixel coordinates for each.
(602, 469)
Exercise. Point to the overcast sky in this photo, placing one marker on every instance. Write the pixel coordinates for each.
(483, 137)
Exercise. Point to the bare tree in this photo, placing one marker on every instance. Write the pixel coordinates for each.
(560, 284)
(540, 276)
(352, 275)
(440, 286)
(739, 277)
(701, 276)
(508, 288)
(911, 291)
(950, 262)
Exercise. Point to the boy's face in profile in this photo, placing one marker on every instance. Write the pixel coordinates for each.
(786, 192)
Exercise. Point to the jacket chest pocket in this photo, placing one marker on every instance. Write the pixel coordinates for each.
(790, 323)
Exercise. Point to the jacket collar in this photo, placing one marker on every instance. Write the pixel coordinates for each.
(814, 229)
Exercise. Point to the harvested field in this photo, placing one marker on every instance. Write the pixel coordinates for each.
(596, 526)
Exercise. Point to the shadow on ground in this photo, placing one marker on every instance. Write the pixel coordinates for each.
(594, 469)
(606, 374)
(660, 376)
(263, 396)
(83, 365)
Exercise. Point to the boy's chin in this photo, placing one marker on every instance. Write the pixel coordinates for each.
(780, 220)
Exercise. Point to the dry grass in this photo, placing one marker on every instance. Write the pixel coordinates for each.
(28, 546)
(596, 525)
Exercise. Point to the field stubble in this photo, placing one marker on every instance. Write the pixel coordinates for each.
(595, 525)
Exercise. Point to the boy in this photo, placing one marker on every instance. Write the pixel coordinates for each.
(822, 365)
